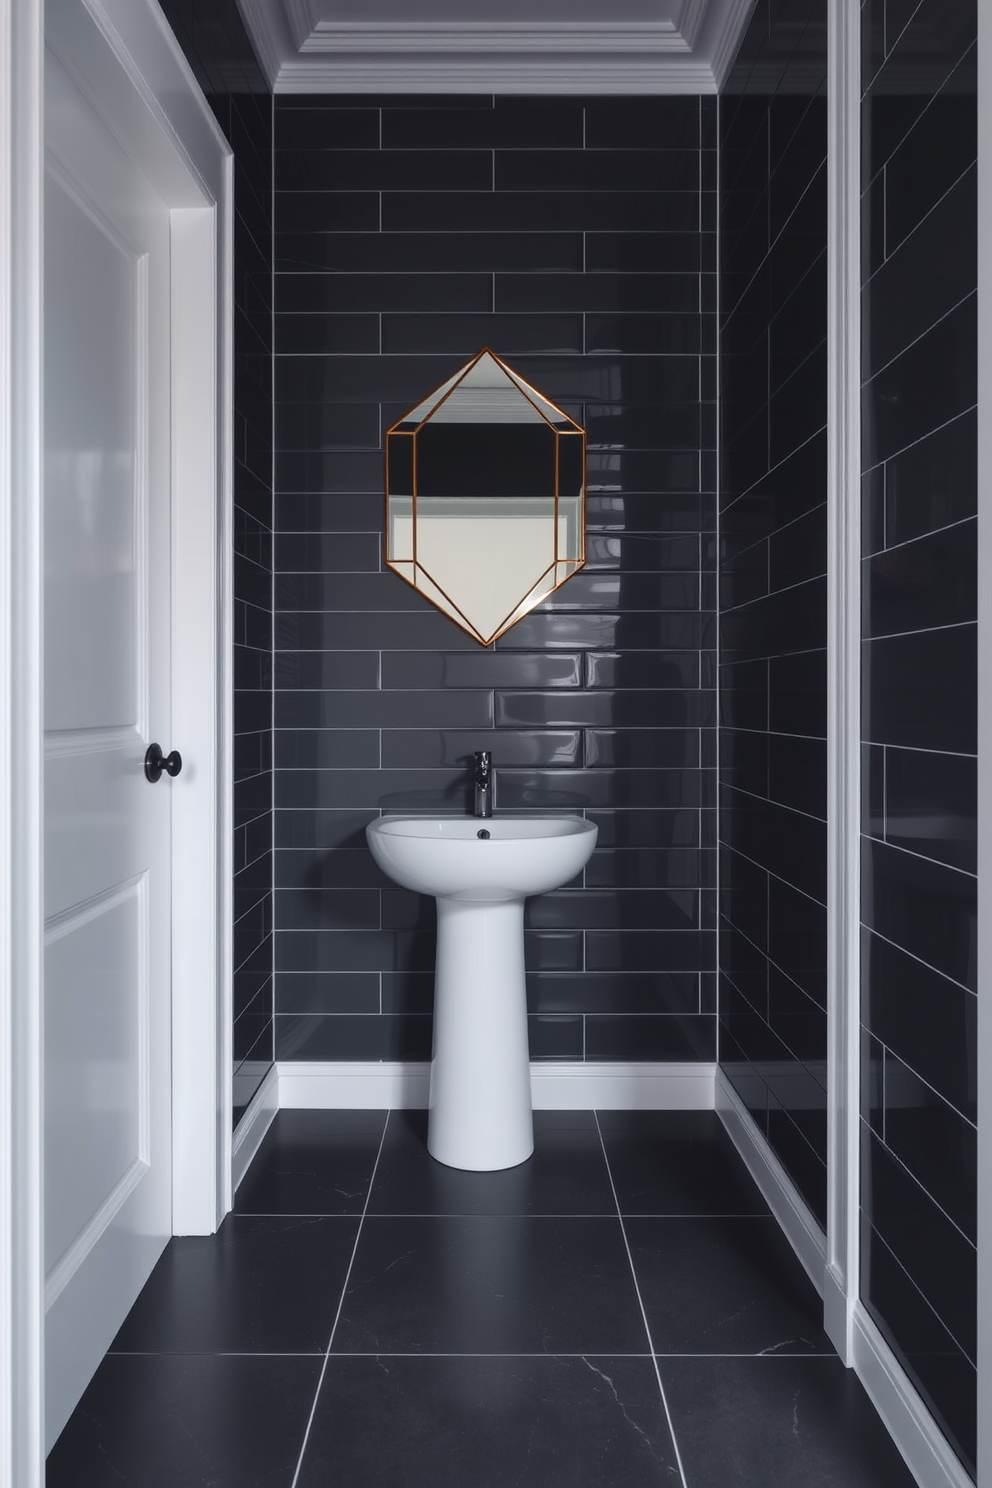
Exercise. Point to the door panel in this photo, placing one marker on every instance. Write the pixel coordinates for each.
(108, 1175)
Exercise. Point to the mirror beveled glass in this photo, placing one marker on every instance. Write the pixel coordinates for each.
(485, 497)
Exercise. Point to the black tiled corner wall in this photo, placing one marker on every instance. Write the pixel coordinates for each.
(919, 986)
(773, 598)
(216, 45)
(577, 238)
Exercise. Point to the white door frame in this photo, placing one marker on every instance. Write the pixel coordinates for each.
(126, 60)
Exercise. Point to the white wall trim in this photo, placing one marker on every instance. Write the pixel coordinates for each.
(920, 1440)
(302, 51)
(21, 1204)
(777, 1188)
(843, 667)
(253, 1125)
(554, 1087)
(984, 744)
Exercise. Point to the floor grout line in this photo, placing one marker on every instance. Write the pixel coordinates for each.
(640, 1303)
(337, 1315)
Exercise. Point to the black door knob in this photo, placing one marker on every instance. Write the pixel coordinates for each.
(156, 762)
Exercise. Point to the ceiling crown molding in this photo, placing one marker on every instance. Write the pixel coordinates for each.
(316, 46)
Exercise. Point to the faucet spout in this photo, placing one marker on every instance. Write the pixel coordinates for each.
(483, 793)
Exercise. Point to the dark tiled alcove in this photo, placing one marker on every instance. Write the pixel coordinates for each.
(577, 238)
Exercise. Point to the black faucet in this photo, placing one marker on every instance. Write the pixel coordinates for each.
(483, 783)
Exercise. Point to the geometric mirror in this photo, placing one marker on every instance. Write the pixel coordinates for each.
(485, 497)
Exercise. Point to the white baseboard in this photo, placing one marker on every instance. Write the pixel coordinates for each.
(777, 1188)
(253, 1125)
(554, 1087)
(923, 1445)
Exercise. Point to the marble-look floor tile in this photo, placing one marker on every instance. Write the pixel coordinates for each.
(490, 1284)
(713, 1285)
(313, 1162)
(556, 1422)
(567, 1173)
(257, 1286)
(676, 1162)
(804, 1423)
(187, 1421)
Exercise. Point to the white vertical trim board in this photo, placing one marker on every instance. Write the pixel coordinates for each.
(843, 668)
(984, 746)
(798, 1222)
(21, 1218)
(554, 1087)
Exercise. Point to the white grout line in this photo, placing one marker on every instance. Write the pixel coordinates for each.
(337, 1315)
(640, 1303)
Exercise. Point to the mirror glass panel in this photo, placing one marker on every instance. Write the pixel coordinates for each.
(485, 497)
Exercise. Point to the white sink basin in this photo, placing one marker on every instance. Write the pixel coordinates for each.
(480, 870)
(484, 859)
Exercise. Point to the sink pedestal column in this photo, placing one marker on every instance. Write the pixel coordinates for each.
(480, 1103)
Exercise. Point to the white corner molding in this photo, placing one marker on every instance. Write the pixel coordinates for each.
(554, 1087)
(777, 1189)
(309, 46)
(843, 668)
(21, 1050)
(253, 1125)
(984, 744)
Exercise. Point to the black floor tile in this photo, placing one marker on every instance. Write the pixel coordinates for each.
(676, 1162)
(489, 1284)
(805, 1423)
(313, 1162)
(714, 1285)
(590, 1422)
(566, 1175)
(187, 1421)
(257, 1286)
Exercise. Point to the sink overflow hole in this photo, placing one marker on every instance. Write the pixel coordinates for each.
(483, 834)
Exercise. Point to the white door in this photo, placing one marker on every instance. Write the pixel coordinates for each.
(107, 999)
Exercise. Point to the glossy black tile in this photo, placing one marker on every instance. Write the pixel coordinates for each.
(537, 1422)
(270, 1286)
(243, 1418)
(669, 1037)
(315, 993)
(934, 1253)
(803, 1421)
(934, 154)
(542, 210)
(489, 1284)
(935, 1362)
(930, 804)
(901, 997)
(344, 1037)
(938, 666)
(933, 1142)
(922, 585)
(613, 992)
(526, 122)
(916, 393)
(934, 483)
(924, 907)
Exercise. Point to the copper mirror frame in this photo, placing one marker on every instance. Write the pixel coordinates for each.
(485, 497)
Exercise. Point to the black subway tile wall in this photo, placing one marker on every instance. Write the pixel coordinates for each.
(213, 37)
(773, 598)
(577, 238)
(919, 1002)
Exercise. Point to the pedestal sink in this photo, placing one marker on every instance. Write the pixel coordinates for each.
(480, 871)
